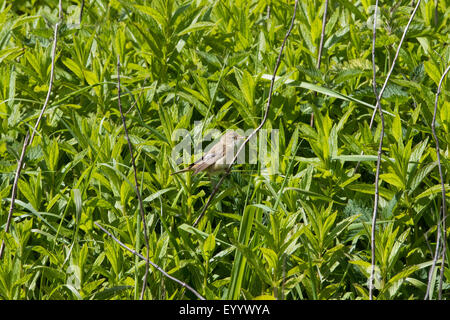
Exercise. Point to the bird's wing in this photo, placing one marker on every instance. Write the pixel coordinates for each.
(189, 167)
(208, 160)
(182, 170)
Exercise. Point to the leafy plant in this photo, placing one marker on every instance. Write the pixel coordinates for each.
(301, 231)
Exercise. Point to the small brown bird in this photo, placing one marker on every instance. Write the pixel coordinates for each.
(219, 157)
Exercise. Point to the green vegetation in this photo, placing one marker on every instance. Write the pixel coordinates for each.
(303, 233)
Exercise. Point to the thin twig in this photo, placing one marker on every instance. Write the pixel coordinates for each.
(269, 100)
(14, 190)
(138, 194)
(436, 4)
(150, 262)
(81, 11)
(395, 59)
(374, 66)
(441, 176)
(28, 141)
(213, 193)
(60, 11)
(50, 87)
(391, 69)
(435, 258)
(319, 55)
(322, 35)
(380, 148)
(444, 248)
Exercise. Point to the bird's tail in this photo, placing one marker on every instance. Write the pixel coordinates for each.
(181, 171)
(189, 167)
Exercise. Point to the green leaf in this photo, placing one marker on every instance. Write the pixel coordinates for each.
(194, 101)
(73, 66)
(53, 155)
(209, 245)
(432, 71)
(157, 194)
(370, 189)
(393, 179)
(355, 158)
(201, 234)
(262, 206)
(418, 177)
(109, 293)
(247, 86)
(397, 128)
(239, 263)
(353, 9)
(270, 256)
(197, 27)
(264, 297)
(434, 190)
(323, 90)
(152, 12)
(309, 193)
(78, 203)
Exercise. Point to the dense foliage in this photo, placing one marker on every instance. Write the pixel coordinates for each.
(303, 233)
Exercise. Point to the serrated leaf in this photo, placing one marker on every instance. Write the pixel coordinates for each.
(247, 86)
(194, 101)
(397, 128)
(323, 90)
(270, 256)
(202, 25)
(152, 12)
(209, 245)
(370, 189)
(433, 190)
(418, 177)
(157, 194)
(432, 71)
(393, 179)
(73, 66)
(355, 158)
(309, 193)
